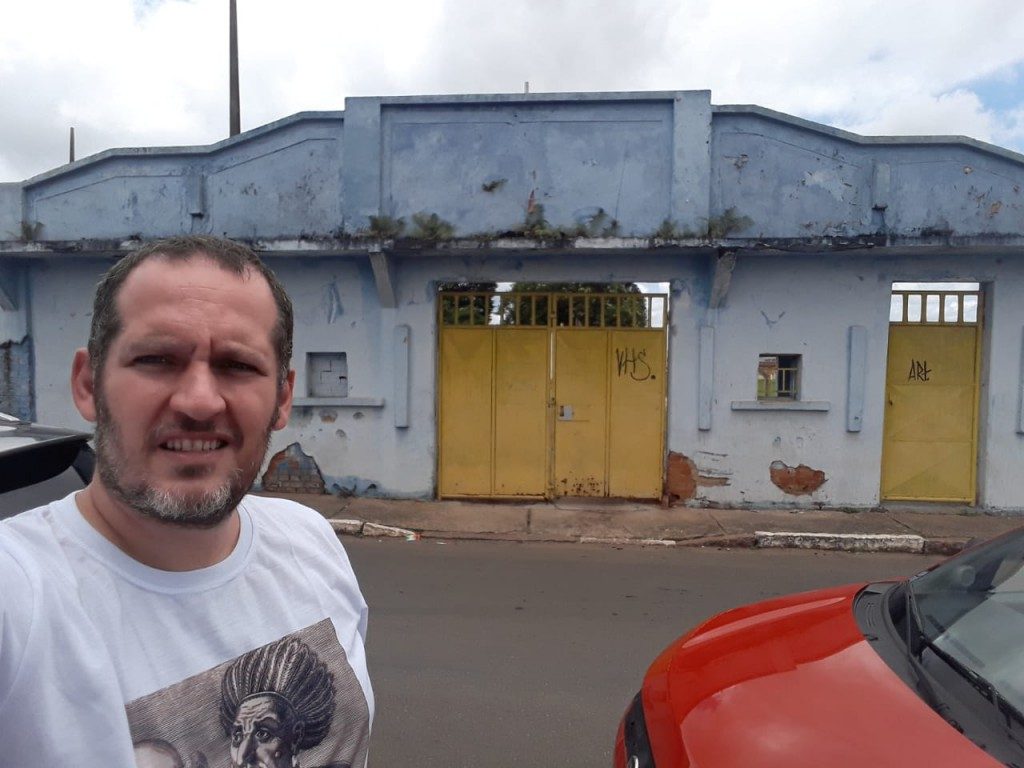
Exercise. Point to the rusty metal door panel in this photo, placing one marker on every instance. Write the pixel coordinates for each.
(465, 418)
(930, 443)
(581, 412)
(520, 412)
(636, 413)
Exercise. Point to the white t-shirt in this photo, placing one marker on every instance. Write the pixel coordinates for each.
(105, 661)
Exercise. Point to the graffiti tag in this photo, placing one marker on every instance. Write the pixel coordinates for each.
(632, 362)
(919, 371)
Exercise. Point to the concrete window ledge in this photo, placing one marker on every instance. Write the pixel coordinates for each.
(339, 402)
(781, 405)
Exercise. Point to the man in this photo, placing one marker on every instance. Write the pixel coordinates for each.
(122, 606)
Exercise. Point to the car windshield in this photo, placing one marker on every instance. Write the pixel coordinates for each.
(971, 608)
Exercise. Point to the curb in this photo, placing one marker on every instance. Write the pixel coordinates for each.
(846, 542)
(360, 528)
(376, 529)
(350, 527)
(626, 540)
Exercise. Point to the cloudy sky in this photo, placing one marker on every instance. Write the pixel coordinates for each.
(154, 72)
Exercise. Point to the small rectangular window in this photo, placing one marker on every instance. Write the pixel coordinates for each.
(327, 374)
(778, 377)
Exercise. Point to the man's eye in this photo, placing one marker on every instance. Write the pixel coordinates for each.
(236, 736)
(238, 365)
(262, 734)
(152, 360)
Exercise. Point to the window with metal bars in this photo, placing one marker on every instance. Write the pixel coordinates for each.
(778, 377)
(934, 305)
(576, 310)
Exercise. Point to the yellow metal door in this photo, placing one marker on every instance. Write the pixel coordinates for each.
(636, 413)
(464, 414)
(543, 394)
(929, 450)
(581, 412)
(520, 411)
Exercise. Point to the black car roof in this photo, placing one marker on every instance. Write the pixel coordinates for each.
(31, 453)
(17, 435)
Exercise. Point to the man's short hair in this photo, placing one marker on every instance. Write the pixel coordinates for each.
(227, 254)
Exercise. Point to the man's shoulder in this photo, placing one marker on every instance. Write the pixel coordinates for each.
(21, 576)
(287, 526)
(29, 542)
(286, 517)
(18, 576)
(32, 557)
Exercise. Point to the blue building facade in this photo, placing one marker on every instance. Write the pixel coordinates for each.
(774, 237)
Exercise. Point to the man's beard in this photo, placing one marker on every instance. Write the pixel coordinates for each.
(202, 509)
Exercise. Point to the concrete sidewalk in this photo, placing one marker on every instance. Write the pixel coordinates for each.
(931, 530)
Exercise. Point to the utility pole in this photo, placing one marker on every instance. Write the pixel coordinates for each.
(235, 117)
(71, 146)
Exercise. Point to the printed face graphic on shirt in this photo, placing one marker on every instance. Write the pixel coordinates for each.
(293, 702)
(264, 733)
(156, 753)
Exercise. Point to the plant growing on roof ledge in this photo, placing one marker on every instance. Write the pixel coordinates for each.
(431, 227)
(598, 224)
(386, 227)
(668, 230)
(537, 226)
(729, 222)
(30, 230)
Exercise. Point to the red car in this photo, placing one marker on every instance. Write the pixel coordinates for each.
(924, 672)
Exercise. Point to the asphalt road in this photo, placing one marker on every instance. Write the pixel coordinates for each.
(491, 654)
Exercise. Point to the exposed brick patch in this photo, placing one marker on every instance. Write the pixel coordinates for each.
(683, 478)
(292, 471)
(796, 481)
(16, 395)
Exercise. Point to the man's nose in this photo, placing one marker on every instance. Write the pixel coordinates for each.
(247, 752)
(198, 394)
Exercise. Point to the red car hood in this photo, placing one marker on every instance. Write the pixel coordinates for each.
(791, 682)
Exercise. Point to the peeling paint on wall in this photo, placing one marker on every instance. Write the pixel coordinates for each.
(355, 486)
(796, 481)
(16, 378)
(683, 478)
(293, 471)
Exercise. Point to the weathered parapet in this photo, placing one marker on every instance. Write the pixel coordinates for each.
(10, 212)
(550, 166)
(281, 179)
(776, 177)
(539, 171)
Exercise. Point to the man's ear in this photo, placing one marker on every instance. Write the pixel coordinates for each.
(284, 400)
(83, 385)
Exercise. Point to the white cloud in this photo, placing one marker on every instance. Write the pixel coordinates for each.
(154, 72)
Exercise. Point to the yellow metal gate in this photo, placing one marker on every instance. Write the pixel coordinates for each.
(550, 394)
(929, 451)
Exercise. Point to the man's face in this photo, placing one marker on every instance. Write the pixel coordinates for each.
(263, 734)
(188, 394)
